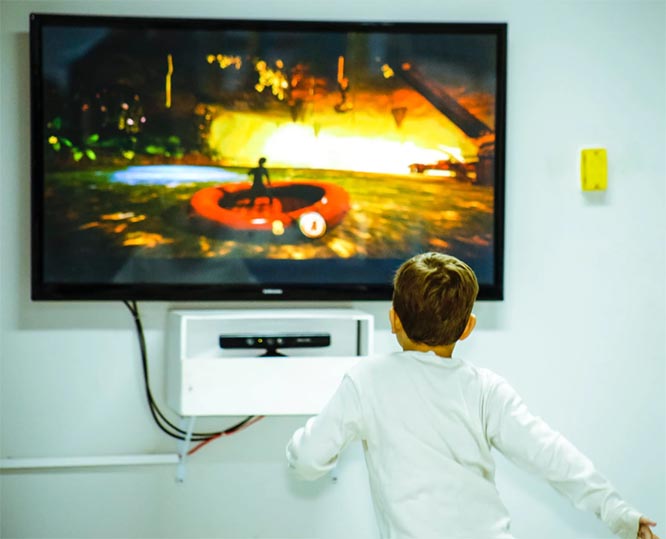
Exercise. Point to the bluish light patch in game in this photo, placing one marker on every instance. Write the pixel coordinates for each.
(173, 175)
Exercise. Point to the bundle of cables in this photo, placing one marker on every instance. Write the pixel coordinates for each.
(160, 419)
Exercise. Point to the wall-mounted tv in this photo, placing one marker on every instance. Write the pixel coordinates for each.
(182, 159)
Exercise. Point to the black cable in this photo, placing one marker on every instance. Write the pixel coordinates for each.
(154, 409)
(159, 418)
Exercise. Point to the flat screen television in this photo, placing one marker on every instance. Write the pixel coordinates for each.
(182, 159)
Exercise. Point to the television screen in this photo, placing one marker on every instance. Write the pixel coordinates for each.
(181, 159)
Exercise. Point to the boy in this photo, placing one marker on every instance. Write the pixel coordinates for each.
(428, 422)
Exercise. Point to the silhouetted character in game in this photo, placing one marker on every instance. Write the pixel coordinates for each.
(343, 88)
(258, 188)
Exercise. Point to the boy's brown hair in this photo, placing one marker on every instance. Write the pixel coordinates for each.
(433, 295)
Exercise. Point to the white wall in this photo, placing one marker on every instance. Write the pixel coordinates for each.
(580, 334)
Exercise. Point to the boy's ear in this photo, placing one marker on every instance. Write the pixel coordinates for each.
(471, 324)
(396, 324)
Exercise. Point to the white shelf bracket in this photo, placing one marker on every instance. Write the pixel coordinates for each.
(186, 423)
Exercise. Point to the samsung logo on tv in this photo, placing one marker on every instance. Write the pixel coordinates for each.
(272, 291)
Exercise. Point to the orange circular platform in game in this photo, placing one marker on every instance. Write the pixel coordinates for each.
(283, 204)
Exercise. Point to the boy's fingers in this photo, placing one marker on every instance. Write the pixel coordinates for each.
(644, 531)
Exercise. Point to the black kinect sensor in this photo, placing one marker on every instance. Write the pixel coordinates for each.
(271, 343)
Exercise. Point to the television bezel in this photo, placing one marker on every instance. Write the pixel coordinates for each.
(42, 290)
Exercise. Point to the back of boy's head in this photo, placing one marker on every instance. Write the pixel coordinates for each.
(433, 295)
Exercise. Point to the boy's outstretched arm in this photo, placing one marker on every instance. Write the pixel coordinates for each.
(314, 449)
(644, 529)
(533, 445)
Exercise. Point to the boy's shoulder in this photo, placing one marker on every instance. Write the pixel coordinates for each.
(397, 362)
(371, 364)
(488, 377)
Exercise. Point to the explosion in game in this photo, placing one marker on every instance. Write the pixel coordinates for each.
(243, 144)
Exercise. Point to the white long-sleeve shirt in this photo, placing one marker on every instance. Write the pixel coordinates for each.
(428, 425)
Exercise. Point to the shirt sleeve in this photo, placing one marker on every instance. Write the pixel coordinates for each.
(530, 443)
(314, 449)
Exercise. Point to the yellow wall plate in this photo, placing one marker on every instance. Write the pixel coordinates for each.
(593, 169)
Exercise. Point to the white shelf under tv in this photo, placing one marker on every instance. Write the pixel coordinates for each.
(206, 380)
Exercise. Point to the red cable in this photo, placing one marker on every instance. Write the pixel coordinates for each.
(225, 433)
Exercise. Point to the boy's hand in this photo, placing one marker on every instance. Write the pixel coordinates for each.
(644, 531)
